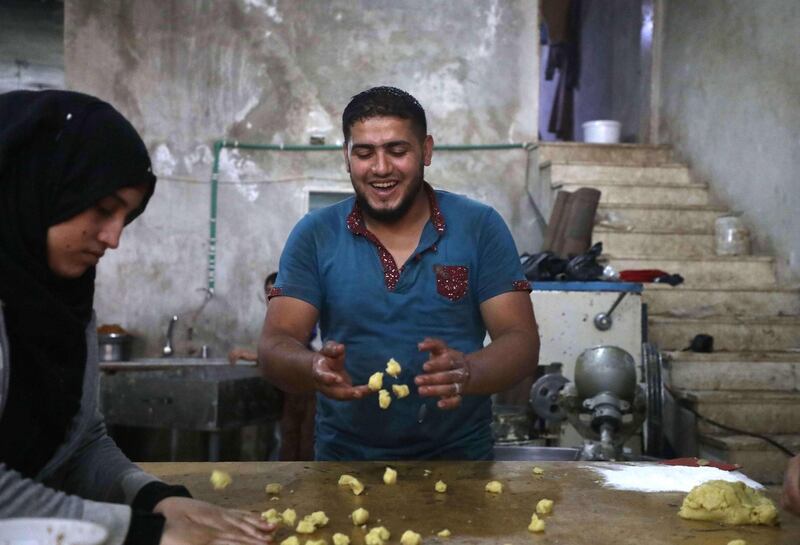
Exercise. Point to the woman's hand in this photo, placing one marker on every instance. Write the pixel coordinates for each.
(193, 522)
(791, 487)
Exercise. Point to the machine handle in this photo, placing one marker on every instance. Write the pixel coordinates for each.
(603, 320)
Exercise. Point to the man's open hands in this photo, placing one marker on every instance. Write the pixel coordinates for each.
(446, 373)
(193, 522)
(329, 374)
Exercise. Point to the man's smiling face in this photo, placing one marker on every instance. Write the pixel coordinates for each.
(386, 162)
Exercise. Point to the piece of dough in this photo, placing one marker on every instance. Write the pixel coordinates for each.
(273, 489)
(544, 507)
(220, 479)
(393, 367)
(319, 518)
(305, 526)
(729, 503)
(315, 542)
(737, 542)
(495, 487)
(289, 516)
(291, 540)
(377, 536)
(384, 399)
(400, 390)
(410, 537)
(272, 516)
(375, 381)
(444, 533)
(360, 516)
(340, 539)
(354, 484)
(440, 487)
(536, 525)
(538, 471)
(389, 476)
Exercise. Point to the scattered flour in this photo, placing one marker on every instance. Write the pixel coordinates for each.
(663, 478)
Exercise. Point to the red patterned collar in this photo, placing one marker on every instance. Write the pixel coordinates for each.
(357, 226)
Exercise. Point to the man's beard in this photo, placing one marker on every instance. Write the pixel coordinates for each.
(393, 215)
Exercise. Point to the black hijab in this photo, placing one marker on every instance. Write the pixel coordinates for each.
(60, 152)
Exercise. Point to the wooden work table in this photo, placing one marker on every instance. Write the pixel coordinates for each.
(585, 512)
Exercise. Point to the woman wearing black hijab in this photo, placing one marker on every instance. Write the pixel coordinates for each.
(73, 173)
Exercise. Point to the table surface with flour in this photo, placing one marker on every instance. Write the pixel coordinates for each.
(595, 503)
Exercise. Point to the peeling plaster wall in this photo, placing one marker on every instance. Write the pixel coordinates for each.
(277, 71)
(731, 107)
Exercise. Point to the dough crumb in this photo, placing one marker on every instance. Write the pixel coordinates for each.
(318, 518)
(354, 484)
(220, 479)
(536, 525)
(444, 533)
(495, 487)
(340, 539)
(377, 536)
(737, 542)
(410, 537)
(289, 516)
(400, 390)
(315, 542)
(393, 367)
(359, 516)
(272, 516)
(305, 526)
(389, 476)
(440, 487)
(384, 399)
(702, 462)
(291, 540)
(538, 471)
(273, 488)
(731, 503)
(375, 381)
(544, 507)
(426, 472)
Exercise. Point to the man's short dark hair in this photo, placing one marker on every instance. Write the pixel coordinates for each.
(384, 101)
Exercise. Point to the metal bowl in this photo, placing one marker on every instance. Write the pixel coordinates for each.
(114, 346)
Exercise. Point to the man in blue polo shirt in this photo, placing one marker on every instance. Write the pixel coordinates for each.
(399, 271)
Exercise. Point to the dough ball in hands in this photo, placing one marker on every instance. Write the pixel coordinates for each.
(375, 381)
(393, 368)
(727, 502)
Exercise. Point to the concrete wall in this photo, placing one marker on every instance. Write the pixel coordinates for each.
(31, 45)
(731, 107)
(277, 71)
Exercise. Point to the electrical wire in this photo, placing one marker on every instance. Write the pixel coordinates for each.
(741, 432)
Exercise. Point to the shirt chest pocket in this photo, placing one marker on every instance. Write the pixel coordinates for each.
(452, 281)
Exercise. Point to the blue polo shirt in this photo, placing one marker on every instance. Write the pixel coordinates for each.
(378, 310)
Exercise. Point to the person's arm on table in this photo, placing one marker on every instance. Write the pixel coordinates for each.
(791, 487)
(512, 355)
(286, 361)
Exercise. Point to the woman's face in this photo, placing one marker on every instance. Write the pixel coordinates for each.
(78, 243)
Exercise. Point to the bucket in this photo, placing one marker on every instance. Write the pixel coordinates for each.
(601, 132)
(731, 236)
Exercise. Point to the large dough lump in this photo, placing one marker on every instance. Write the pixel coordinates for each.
(729, 503)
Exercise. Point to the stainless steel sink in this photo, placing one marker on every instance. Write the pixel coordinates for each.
(196, 394)
(523, 453)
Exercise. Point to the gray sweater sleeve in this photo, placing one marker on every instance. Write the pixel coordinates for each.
(88, 477)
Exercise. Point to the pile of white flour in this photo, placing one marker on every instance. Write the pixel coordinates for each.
(663, 478)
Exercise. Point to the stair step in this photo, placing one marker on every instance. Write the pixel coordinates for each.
(730, 333)
(764, 412)
(707, 271)
(758, 459)
(645, 193)
(635, 154)
(776, 371)
(642, 217)
(699, 303)
(586, 173)
(654, 243)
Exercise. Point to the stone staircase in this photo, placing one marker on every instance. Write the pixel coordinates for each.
(654, 215)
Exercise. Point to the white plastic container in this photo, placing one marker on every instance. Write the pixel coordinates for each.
(731, 236)
(50, 531)
(601, 131)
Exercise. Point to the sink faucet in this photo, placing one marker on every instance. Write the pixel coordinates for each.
(167, 351)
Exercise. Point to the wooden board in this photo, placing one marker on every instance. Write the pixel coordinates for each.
(585, 511)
